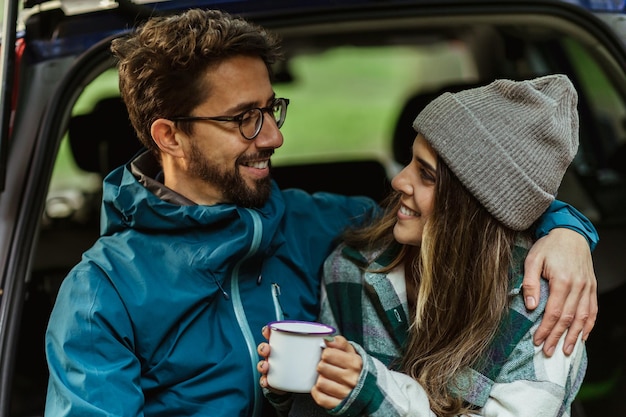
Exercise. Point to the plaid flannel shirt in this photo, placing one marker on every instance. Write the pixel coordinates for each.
(371, 312)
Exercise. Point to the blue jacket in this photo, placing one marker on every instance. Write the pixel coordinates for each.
(163, 314)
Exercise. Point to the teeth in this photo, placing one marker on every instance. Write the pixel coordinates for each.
(258, 164)
(407, 212)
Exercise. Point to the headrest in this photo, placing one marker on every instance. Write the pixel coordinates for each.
(103, 139)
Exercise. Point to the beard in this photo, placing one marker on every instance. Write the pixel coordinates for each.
(231, 183)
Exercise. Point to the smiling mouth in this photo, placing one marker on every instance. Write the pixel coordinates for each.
(257, 164)
(260, 160)
(407, 211)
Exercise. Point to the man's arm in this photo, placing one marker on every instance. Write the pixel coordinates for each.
(562, 255)
(92, 372)
(562, 215)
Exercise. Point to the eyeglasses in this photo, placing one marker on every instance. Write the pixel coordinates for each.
(250, 121)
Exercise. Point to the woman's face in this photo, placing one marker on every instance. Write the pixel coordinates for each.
(416, 183)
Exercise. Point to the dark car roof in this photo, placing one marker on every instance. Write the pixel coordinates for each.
(69, 27)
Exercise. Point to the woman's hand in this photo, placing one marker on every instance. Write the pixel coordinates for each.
(339, 372)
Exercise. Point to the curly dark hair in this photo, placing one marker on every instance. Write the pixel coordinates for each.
(161, 64)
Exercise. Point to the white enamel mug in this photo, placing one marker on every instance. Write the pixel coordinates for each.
(295, 350)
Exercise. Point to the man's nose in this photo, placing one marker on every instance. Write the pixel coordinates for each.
(270, 135)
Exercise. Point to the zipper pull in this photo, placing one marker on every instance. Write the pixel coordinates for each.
(219, 285)
(278, 308)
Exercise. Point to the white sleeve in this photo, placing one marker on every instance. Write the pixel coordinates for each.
(541, 393)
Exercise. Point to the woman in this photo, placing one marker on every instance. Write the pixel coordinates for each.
(430, 295)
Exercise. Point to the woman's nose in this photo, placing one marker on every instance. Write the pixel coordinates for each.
(400, 182)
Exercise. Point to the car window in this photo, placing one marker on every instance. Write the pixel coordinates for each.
(66, 173)
(339, 112)
(334, 113)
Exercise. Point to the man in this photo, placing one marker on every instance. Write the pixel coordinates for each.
(200, 249)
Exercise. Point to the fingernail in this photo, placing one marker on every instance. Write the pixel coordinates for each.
(550, 351)
(263, 382)
(569, 349)
(530, 302)
(263, 329)
(329, 338)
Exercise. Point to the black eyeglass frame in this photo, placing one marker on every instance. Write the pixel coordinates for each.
(239, 118)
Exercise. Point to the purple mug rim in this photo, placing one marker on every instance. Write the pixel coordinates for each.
(328, 329)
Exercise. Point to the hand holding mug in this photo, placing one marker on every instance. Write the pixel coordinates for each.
(263, 350)
(339, 370)
(292, 355)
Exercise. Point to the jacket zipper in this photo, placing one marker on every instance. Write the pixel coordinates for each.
(240, 313)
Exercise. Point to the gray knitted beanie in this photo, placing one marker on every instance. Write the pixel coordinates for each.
(509, 142)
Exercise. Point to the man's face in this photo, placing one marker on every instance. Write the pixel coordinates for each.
(224, 166)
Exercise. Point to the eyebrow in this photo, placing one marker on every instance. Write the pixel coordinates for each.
(426, 164)
(242, 107)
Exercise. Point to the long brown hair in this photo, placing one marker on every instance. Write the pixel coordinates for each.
(461, 276)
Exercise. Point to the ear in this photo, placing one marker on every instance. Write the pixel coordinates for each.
(166, 136)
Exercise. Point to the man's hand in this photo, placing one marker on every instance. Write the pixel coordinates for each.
(263, 349)
(563, 258)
